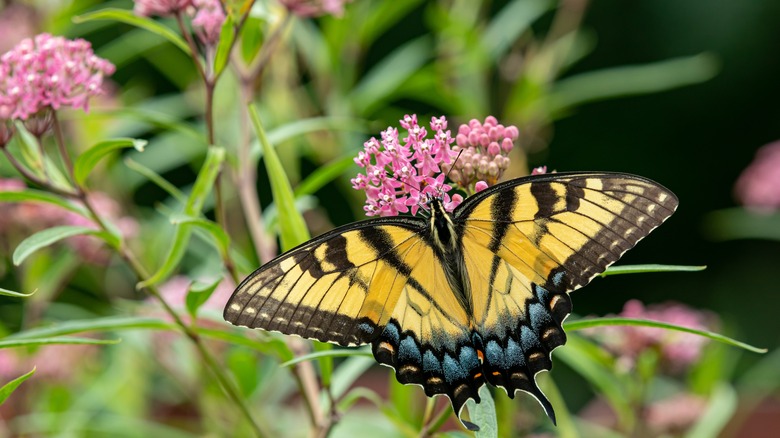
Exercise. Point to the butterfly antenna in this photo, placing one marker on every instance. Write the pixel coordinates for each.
(454, 163)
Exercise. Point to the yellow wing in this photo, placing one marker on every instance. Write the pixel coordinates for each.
(528, 242)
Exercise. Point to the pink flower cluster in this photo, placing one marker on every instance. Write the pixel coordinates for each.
(161, 8)
(315, 8)
(484, 158)
(28, 217)
(208, 20)
(208, 16)
(759, 184)
(49, 72)
(677, 349)
(401, 172)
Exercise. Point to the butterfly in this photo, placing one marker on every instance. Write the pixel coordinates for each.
(454, 300)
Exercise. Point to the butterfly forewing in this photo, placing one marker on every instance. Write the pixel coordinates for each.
(339, 287)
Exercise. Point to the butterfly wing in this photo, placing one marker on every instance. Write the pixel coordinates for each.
(339, 287)
(377, 281)
(528, 242)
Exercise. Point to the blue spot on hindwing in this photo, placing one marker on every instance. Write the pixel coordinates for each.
(431, 363)
(468, 358)
(542, 294)
(452, 370)
(391, 332)
(514, 354)
(494, 354)
(539, 316)
(366, 328)
(528, 338)
(408, 349)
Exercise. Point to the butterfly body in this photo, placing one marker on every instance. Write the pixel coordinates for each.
(458, 299)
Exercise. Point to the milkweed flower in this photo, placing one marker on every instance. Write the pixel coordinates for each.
(160, 8)
(677, 349)
(315, 8)
(208, 20)
(485, 147)
(49, 72)
(400, 172)
(758, 186)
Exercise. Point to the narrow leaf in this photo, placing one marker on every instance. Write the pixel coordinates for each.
(226, 37)
(31, 195)
(722, 405)
(9, 343)
(197, 295)
(329, 353)
(50, 236)
(11, 386)
(483, 414)
(200, 190)
(292, 228)
(510, 23)
(128, 17)
(323, 175)
(635, 269)
(630, 80)
(220, 237)
(87, 161)
(10, 293)
(314, 124)
(111, 323)
(596, 322)
(157, 179)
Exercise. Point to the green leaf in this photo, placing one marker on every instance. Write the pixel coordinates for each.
(630, 80)
(157, 179)
(314, 124)
(565, 427)
(741, 223)
(198, 295)
(49, 236)
(635, 269)
(128, 17)
(483, 414)
(585, 358)
(87, 161)
(596, 322)
(110, 323)
(722, 405)
(510, 23)
(325, 362)
(226, 38)
(292, 228)
(328, 353)
(323, 175)
(221, 238)
(200, 190)
(10, 293)
(9, 343)
(390, 73)
(11, 386)
(30, 195)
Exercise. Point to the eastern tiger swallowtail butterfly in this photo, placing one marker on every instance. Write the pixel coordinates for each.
(454, 300)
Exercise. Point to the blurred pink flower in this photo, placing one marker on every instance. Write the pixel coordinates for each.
(17, 22)
(49, 72)
(541, 170)
(161, 8)
(29, 217)
(176, 288)
(401, 172)
(55, 362)
(673, 416)
(315, 8)
(485, 148)
(759, 184)
(208, 20)
(677, 349)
